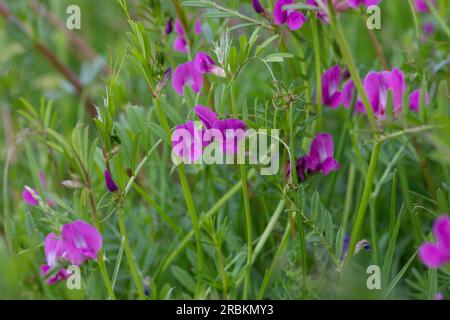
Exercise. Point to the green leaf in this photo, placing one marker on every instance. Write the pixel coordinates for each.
(183, 277)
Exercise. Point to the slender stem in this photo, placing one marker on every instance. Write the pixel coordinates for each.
(364, 201)
(186, 191)
(248, 218)
(316, 46)
(129, 254)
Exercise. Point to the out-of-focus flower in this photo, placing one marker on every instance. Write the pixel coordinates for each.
(257, 6)
(164, 81)
(422, 5)
(187, 74)
(79, 241)
(331, 80)
(439, 296)
(205, 64)
(294, 19)
(198, 27)
(358, 3)
(180, 43)
(320, 158)
(428, 29)
(169, 26)
(28, 195)
(436, 255)
(110, 184)
(414, 100)
(339, 6)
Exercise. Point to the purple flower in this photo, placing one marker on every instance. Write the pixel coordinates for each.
(231, 131)
(331, 80)
(439, 296)
(28, 195)
(110, 184)
(377, 84)
(169, 26)
(180, 43)
(294, 19)
(81, 242)
(187, 142)
(438, 254)
(428, 29)
(205, 64)
(414, 100)
(345, 246)
(257, 6)
(187, 74)
(422, 5)
(320, 159)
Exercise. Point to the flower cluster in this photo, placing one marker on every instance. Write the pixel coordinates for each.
(181, 42)
(191, 73)
(188, 142)
(436, 255)
(78, 242)
(376, 87)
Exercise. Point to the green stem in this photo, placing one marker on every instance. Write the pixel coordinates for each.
(186, 191)
(129, 254)
(364, 201)
(248, 218)
(316, 46)
(438, 17)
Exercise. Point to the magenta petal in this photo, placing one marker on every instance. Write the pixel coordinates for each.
(422, 5)
(206, 115)
(330, 165)
(204, 63)
(257, 6)
(331, 80)
(336, 100)
(82, 241)
(376, 89)
(397, 85)
(54, 250)
(347, 93)
(28, 197)
(233, 132)
(414, 100)
(179, 28)
(280, 15)
(110, 184)
(295, 20)
(180, 45)
(187, 74)
(432, 256)
(322, 148)
(441, 230)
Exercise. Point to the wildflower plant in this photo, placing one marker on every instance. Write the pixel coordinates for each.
(95, 122)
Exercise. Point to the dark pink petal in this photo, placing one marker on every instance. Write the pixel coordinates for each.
(322, 148)
(279, 14)
(336, 99)
(295, 20)
(233, 132)
(441, 230)
(42, 179)
(329, 165)
(81, 241)
(331, 80)
(27, 196)
(62, 274)
(179, 28)
(169, 26)
(204, 63)
(414, 100)
(396, 83)
(206, 115)
(438, 296)
(187, 74)
(180, 45)
(347, 93)
(432, 256)
(376, 89)
(367, 3)
(428, 28)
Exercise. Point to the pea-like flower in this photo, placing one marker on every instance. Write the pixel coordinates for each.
(294, 19)
(436, 255)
